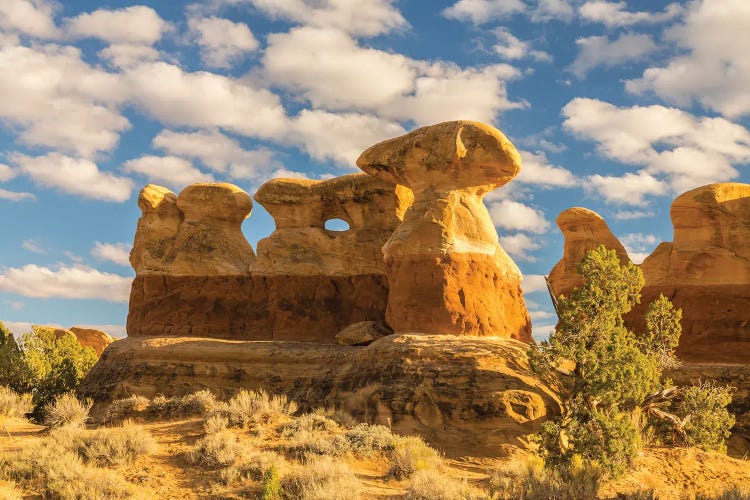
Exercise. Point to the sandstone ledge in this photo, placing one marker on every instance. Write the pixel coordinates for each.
(457, 392)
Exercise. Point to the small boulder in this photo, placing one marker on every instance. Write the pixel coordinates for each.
(363, 333)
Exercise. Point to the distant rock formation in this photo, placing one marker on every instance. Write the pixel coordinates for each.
(86, 337)
(447, 274)
(705, 270)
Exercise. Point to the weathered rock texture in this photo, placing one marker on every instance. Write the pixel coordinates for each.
(302, 245)
(705, 271)
(197, 275)
(584, 231)
(460, 393)
(447, 274)
(87, 337)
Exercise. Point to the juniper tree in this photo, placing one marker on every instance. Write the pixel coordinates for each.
(610, 379)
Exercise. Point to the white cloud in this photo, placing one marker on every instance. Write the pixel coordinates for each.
(340, 137)
(126, 55)
(542, 332)
(74, 282)
(358, 17)
(58, 100)
(18, 328)
(629, 189)
(519, 245)
(137, 25)
(222, 41)
(483, 11)
(510, 47)
(536, 169)
(32, 246)
(639, 245)
(169, 170)
(688, 150)
(597, 51)
(15, 195)
(333, 72)
(205, 100)
(76, 176)
(6, 173)
(614, 14)
(32, 17)
(16, 305)
(533, 283)
(515, 216)
(632, 214)
(218, 152)
(119, 253)
(713, 65)
(552, 10)
(538, 315)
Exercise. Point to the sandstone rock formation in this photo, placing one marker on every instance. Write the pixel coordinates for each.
(302, 245)
(363, 333)
(447, 274)
(584, 230)
(705, 271)
(86, 337)
(457, 392)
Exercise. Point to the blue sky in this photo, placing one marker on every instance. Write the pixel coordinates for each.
(616, 106)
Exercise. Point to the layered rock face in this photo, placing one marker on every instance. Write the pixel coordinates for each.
(447, 274)
(197, 275)
(705, 271)
(459, 393)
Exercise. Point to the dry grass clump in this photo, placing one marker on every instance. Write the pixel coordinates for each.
(107, 446)
(411, 454)
(194, 404)
(67, 411)
(13, 405)
(8, 491)
(56, 472)
(255, 408)
(252, 466)
(219, 449)
(367, 440)
(306, 442)
(321, 478)
(129, 407)
(431, 484)
(309, 422)
(341, 417)
(733, 493)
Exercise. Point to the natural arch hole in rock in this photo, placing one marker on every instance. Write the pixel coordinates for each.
(337, 225)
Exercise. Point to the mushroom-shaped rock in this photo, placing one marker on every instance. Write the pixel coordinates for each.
(302, 245)
(584, 230)
(157, 228)
(447, 273)
(210, 239)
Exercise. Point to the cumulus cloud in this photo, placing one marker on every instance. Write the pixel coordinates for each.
(639, 245)
(6, 173)
(136, 25)
(519, 245)
(537, 169)
(340, 137)
(689, 151)
(119, 253)
(126, 55)
(628, 189)
(218, 152)
(31, 17)
(485, 11)
(595, 51)
(76, 176)
(632, 214)
(69, 282)
(358, 17)
(533, 283)
(332, 71)
(516, 216)
(170, 170)
(713, 65)
(60, 101)
(615, 14)
(511, 48)
(222, 41)
(15, 195)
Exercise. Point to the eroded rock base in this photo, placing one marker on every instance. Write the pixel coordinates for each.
(310, 308)
(458, 392)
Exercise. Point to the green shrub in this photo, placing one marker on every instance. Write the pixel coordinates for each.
(67, 410)
(271, 484)
(708, 423)
(321, 478)
(251, 465)
(411, 454)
